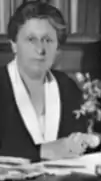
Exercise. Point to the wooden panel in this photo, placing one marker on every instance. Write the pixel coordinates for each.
(82, 16)
(93, 16)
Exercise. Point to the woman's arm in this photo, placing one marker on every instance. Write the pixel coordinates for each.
(70, 146)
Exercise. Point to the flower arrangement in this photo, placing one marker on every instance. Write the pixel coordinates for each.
(91, 106)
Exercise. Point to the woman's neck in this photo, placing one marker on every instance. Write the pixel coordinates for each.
(31, 83)
(35, 89)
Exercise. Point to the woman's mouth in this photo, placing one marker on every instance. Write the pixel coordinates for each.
(39, 59)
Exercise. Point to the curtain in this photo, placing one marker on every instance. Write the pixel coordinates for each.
(89, 16)
(2, 12)
(69, 10)
(93, 16)
(74, 17)
(81, 16)
(7, 8)
(67, 7)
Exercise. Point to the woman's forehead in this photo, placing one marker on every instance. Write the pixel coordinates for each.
(38, 27)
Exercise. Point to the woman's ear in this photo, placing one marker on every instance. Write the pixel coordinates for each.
(13, 46)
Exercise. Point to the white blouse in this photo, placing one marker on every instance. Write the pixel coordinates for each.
(46, 128)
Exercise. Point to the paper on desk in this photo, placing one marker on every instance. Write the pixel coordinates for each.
(84, 164)
(19, 168)
(13, 169)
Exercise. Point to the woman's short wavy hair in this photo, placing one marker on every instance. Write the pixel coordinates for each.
(36, 9)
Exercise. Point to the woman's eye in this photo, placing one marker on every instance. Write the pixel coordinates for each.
(32, 39)
(48, 40)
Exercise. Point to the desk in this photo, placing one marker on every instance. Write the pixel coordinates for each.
(73, 177)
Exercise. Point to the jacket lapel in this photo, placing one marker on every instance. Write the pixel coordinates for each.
(27, 112)
(24, 105)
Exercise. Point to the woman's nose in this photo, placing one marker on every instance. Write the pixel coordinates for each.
(41, 49)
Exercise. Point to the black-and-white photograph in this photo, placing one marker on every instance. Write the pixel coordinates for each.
(50, 90)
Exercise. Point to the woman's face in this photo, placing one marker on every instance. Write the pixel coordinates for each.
(36, 47)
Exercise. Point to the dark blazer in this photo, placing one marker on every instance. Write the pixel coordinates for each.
(14, 137)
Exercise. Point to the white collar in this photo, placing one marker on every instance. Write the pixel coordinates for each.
(27, 112)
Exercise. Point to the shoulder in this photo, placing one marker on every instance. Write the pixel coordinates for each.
(3, 73)
(4, 79)
(60, 75)
(63, 77)
(70, 94)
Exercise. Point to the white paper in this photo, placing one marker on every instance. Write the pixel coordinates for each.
(15, 160)
(19, 168)
(83, 164)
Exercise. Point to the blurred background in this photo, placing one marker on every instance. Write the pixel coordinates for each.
(82, 52)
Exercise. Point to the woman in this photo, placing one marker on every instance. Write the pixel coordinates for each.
(36, 103)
